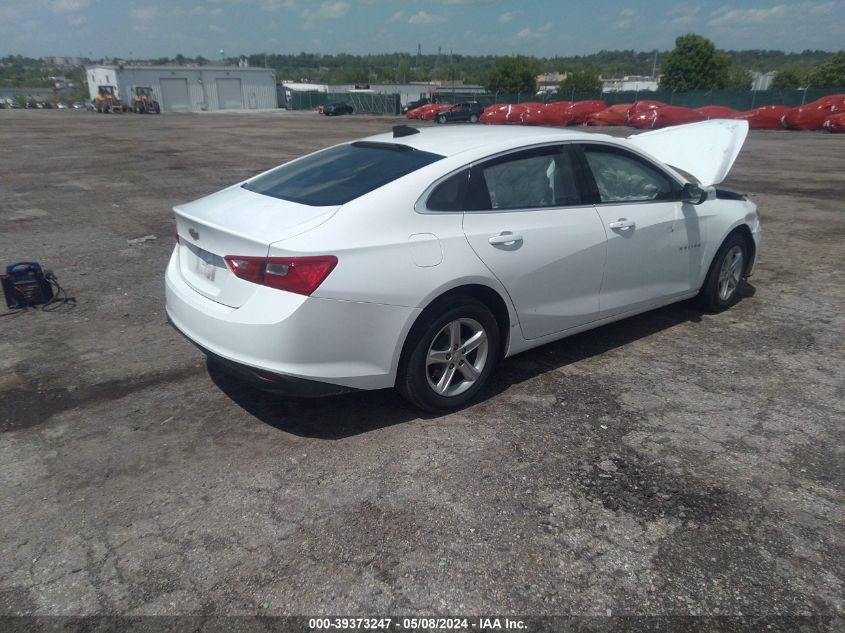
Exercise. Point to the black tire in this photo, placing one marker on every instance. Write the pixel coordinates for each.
(720, 291)
(415, 378)
(156, 108)
(441, 119)
(473, 118)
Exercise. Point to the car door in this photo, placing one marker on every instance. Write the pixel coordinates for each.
(653, 240)
(525, 219)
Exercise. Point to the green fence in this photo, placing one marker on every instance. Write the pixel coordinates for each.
(360, 101)
(737, 99)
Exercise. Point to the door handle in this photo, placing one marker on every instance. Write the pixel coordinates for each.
(623, 224)
(505, 238)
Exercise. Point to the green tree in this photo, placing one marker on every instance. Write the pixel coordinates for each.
(694, 64)
(512, 75)
(830, 74)
(737, 78)
(788, 78)
(580, 81)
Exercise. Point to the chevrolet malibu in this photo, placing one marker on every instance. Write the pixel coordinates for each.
(418, 259)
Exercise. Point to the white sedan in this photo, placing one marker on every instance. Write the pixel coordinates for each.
(418, 259)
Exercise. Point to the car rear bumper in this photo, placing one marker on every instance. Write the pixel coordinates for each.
(272, 382)
(280, 335)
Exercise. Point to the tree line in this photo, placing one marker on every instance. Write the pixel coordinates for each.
(694, 64)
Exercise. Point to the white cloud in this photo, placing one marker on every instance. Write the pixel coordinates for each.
(326, 11)
(77, 20)
(534, 34)
(729, 17)
(331, 10)
(397, 17)
(509, 16)
(426, 18)
(145, 14)
(627, 17)
(469, 2)
(202, 10)
(213, 28)
(69, 6)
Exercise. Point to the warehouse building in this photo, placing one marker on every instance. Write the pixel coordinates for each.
(182, 88)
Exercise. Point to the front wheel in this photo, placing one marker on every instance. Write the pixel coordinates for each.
(721, 286)
(441, 119)
(450, 357)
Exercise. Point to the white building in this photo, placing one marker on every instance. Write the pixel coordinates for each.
(629, 83)
(190, 87)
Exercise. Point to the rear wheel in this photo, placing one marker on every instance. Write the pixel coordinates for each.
(721, 286)
(473, 118)
(450, 357)
(441, 119)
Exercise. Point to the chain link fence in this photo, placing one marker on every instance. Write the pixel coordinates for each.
(360, 101)
(737, 99)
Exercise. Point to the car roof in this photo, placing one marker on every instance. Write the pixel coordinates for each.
(455, 139)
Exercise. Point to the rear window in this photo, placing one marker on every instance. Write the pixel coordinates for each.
(340, 174)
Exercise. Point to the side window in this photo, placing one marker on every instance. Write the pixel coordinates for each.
(530, 179)
(624, 177)
(449, 194)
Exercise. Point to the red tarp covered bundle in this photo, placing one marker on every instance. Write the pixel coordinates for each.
(580, 111)
(558, 113)
(813, 115)
(502, 114)
(534, 115)
(665, 117)
(643, 106)
(764, 117)
(835, 123)
(838, 101)
(614, 115)
(717, 112)
(426, 112)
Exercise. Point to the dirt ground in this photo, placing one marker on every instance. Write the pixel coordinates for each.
(675, 463)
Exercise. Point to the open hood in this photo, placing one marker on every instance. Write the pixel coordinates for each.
(707, 150)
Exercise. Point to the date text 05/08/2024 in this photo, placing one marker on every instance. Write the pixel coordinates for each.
(417, 623)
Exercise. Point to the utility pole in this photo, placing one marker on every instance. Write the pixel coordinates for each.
(654, 68)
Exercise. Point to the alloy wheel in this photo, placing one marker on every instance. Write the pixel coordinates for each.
(730, 273)
(456, 357)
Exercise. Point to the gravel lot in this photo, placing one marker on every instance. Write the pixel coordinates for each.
(675, 463)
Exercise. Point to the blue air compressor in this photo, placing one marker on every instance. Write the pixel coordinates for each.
(26, 284)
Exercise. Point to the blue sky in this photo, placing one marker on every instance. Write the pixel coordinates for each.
(535, 27)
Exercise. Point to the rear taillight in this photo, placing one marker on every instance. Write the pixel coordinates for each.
(301, 275)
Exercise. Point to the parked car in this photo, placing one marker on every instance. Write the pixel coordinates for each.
(61, 106)
(470, 112)
(412, 105)
(337, 108)
(419, 259)
(46, 105)
(78, 105)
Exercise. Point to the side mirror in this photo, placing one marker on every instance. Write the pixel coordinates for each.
(694, 194)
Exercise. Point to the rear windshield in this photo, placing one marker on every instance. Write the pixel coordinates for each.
(340, 174)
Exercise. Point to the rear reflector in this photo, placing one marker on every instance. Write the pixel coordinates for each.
(302, 275)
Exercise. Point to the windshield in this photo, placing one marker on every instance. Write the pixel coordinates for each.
(339, 174)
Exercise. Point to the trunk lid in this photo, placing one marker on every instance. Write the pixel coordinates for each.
(707, 150)
(235, 221)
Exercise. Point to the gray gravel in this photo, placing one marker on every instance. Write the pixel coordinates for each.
(675, 463)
